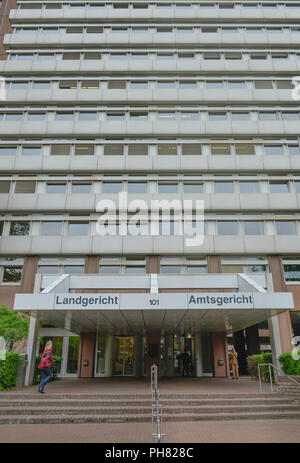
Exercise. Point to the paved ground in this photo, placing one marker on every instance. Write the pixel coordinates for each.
(280, 431)
(251, 431)
(128, 385)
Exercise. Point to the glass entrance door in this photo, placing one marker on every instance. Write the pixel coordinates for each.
(123, 356)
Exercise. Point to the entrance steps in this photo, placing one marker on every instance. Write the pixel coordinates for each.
(289, 388)
(18, 408)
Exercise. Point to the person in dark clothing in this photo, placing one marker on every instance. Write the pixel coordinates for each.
(187, 364)
(45, 366)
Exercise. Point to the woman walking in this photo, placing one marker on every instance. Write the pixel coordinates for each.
(45, 366)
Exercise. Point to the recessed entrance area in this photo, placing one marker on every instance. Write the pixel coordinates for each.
(123, 356)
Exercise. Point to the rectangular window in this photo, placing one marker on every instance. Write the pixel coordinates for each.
(64, 116)
(8, 150)
(82, 188)
(240, 116)
(268, 116)
(187, 84)
(116, 84)
(135, 270)
(193, 188)
(51, 228)
(170, 269)
(217, 116)
(214, 85)
(227, 228)
(94, 30)
(285, 227)
(12, 117)
(279, 187)
(4, 187)
(60, 150)
(138, 149)
(191, 149)
(36, 116)
(211, 55)
(74, 269)
(137, 187)
(193, 116)
(284, 84)
(68, 84)
(220, 149)
(48, 269)
(165, 84)
(19, 85)
(273, 149)
(290, 116)
(31, 150)
(291, 272)
(235, 84)
(297, 186)
(248, 187)
(246, 149)
(71, 56)
(84, 150)
(87, 116)
(166, 116)
(91, 55)
(111, 187)
(19, 228)
(56, 188)
(113, 150)
(139, 85)
(165, 149)
(294, 149)
(224, 187)
(233, 55)
(169, 188)
(254, 228)
(90, 84)
(115, 116)
(78, 228)
(263, 84)
(12, 274)
(109, 269)
(25, 187)
(138, 116)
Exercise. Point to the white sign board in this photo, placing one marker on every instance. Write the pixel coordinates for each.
(144, 301)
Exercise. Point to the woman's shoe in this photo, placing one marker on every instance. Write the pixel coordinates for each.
(42, 392)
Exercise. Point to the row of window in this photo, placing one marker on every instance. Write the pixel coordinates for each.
(154, 29)
(164, 228)
(145, 115)
(212, 5)
(208, 55)
(143, 149)
(142, 84)
(140, 187)
(11, 268)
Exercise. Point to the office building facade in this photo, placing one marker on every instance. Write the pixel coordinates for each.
(163, 100)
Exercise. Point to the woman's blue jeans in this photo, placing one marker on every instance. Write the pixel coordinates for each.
(46, 376)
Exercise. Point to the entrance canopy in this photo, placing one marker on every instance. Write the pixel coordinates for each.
(130, 305)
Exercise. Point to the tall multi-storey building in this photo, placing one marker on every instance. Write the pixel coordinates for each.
(167, 100)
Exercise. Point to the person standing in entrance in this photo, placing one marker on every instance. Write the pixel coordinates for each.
(234, 364)
(45, 366)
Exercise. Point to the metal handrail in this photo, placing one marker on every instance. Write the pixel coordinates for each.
(156, 408)
(270, 374)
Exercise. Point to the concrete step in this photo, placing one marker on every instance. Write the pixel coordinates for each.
(48, 402)
(125, 410)
(203, 396)
(61, 419)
